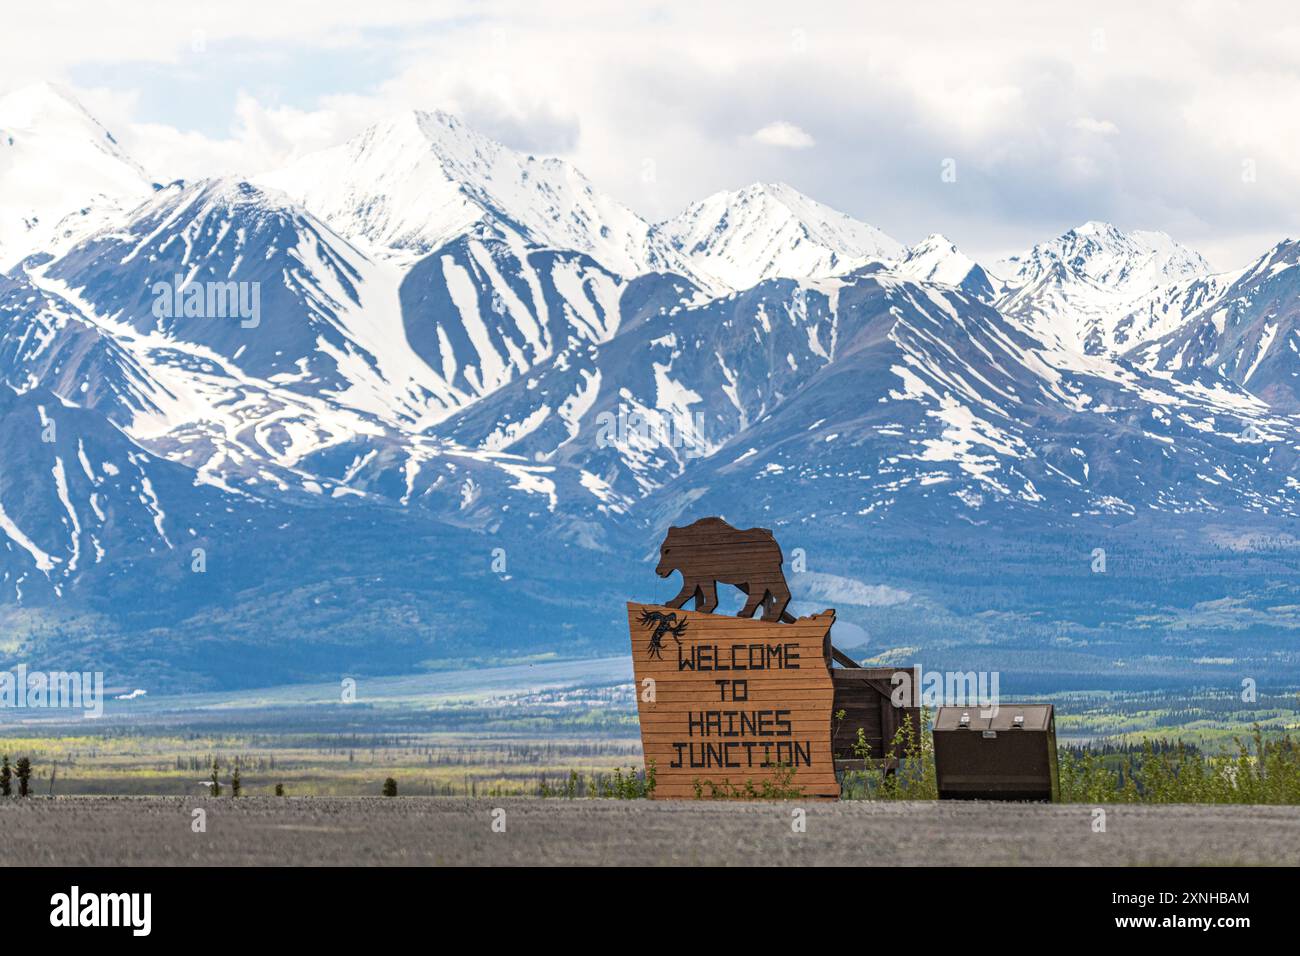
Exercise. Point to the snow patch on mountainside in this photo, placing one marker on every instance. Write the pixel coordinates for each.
(15, 534)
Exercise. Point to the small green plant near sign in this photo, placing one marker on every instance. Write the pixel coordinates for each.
(780, 787)
(911, 778)
(610, 786)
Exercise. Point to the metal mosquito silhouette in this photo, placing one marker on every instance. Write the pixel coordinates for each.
(662, 624)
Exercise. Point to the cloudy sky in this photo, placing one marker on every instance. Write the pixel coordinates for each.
(1183, 117)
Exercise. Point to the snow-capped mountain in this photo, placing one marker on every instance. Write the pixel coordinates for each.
(735, 240)
(1073, 289)
(415, 181)
(936, 259)
(433, 348)
(899, 395)
(343, 349)
(61, 172)
(294, 339)
(628, 416)
(1245, 328)
(927, 417)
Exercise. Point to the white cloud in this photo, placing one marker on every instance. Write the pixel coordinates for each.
(1024, 104)
(1087, 124)
(842, 590)
(785, 135)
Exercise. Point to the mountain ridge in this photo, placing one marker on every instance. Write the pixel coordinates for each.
(510, 359)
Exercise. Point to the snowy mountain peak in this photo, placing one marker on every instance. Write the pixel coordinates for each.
(1101, 253)
(1097, 227)
(936, 258)
(935, 240)
(1240, 326)
(1074, 289)
(741, 237)
(61, 172)
(933, 252)
(783, 193)
(414, 181)
(417, 180)
(434, 136)
(42, 103)
(224, 193)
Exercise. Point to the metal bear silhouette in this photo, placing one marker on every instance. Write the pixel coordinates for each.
(711, 551)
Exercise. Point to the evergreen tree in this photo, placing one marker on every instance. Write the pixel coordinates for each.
(23, 771)
(215, 785)
(6, 778)
(234, 782)
(279, 790)
(390, 787)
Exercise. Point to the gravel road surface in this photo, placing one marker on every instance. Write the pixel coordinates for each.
(117, 831)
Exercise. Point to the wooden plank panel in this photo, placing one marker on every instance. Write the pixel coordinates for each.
(866, 697)
(681, 700)
(724, 698)
(730, 729)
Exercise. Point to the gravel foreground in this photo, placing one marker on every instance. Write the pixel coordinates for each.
(329, 831)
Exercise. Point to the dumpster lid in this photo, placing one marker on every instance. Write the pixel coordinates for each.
(1032, 717)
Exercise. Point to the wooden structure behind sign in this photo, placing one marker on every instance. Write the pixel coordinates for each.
(879, 701)
(728, 702)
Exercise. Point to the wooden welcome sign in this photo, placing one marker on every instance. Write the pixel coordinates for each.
(731, 706)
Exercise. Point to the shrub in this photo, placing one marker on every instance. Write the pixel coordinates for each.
(633, 785)
(911, 778)
(1257, 770)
